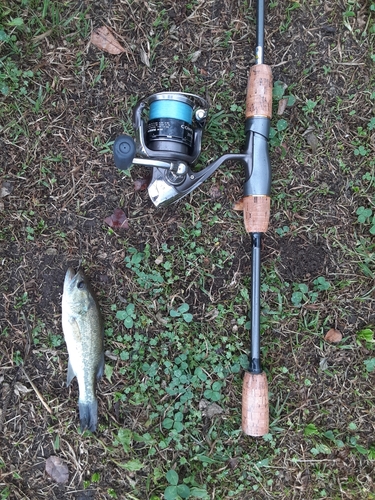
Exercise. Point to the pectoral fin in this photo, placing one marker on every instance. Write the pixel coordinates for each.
(100, 370)
(70, 375)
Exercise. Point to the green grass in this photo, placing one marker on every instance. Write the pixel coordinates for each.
(174, 288)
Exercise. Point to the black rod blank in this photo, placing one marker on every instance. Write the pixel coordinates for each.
(259, 32)
(255, 366)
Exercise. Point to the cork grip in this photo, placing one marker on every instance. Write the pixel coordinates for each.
(259, 91)
(256, 213)
(255, 411)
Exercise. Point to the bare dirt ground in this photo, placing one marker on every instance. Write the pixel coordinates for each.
(318, 256)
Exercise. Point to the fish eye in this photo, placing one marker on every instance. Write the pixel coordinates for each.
(81, 284)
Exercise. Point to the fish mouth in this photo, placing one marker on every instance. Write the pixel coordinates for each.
(69, 276)
(72, 279)
(69, 280)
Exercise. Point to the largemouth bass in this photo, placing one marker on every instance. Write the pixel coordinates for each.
(83, 331)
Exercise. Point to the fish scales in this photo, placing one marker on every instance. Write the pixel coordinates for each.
(83, 331)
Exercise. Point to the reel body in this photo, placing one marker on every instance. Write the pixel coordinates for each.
(168, 130)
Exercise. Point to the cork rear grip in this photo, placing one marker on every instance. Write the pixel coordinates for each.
(259, 91)
(256, 213)
(255, 409)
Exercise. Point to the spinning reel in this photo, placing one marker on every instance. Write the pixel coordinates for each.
(168, 134)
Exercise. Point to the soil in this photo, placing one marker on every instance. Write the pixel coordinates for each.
(64, 184)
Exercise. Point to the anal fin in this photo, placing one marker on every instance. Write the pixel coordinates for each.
(100, 370)
(70, 375)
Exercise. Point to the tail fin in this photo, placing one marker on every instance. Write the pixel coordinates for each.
(88, 415)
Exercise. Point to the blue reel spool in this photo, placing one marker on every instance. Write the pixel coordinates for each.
(170, 124)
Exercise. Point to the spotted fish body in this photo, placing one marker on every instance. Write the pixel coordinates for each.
(83, 331)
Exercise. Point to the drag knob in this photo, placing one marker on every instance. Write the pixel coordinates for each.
(123, 151)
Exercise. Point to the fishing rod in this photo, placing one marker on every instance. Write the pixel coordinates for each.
(256, 211)
(168, 130)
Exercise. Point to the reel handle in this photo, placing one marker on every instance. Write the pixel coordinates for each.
(256, 213)
(124, 151)
(256, 202)
(255, 408)
(259, 92)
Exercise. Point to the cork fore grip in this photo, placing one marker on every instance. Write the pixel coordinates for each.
(259, 92)
(256, 213)
(255, 411)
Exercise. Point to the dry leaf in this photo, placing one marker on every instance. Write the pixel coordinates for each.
(312, 141)
(6, 188)
(233, 463)
(333, 336)
(142, 184)
(195, 56)
(159, 260)
(209, 409)
(144, 58)
(323, 364)
(238, 205)
(57, 469)
(117, 220)
(282, 106)
(103, 39)
(20, 389)
(213, 409)
(51, 251)
(311, 138)
(215, 192)
(362, 20)
(38, 38)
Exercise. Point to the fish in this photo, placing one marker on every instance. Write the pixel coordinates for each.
(83, 329)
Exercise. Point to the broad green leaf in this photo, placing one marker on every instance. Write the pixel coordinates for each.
(263, 463)
(206, 460)
(121, 315)
(330, 435)
(311, 430)
(366, 334)
(170, 493)
(172, 477)
(168, 423)
(108, 370)
(361, 449)
(133, 465)
(196, 492)
(183, 490)
(216, 386)
(183, 308)
(281, 125)
(188, 317)
(370, 364)
(179, 416)
(130, 309)
(124, 437)
(178, 426)
(278, 90)
(128, 322)
(201, 374)
(17, 21)
(297, 298)
(321, 448)
(291, 100)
